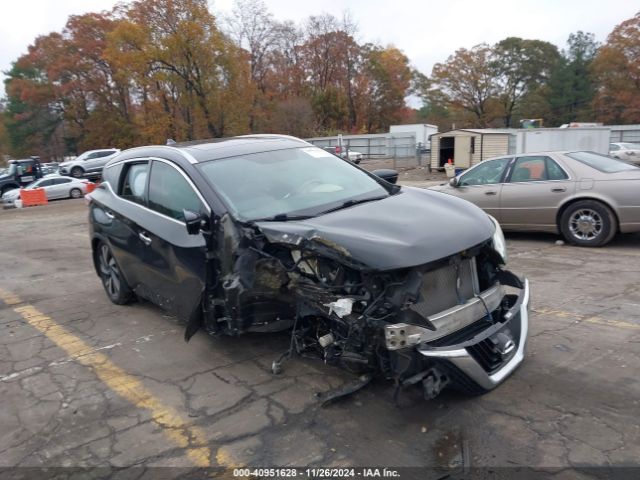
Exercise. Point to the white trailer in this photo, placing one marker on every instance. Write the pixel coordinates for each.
(422, 132)
(532, 140)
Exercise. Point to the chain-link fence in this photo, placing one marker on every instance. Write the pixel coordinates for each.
(400, 148)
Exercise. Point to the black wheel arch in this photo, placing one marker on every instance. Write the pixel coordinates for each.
(95, 241)
(9, 186)
(573, 201)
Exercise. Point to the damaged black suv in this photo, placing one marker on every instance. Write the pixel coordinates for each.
(266, 232)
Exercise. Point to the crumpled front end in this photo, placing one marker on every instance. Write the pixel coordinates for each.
(459, 321)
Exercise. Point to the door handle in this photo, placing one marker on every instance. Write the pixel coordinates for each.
(146, 240)
(109, 214)
(559, 189)
(491, 192)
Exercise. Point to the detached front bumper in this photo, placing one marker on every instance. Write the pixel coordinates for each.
(487, 359)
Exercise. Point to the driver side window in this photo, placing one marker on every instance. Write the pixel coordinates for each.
(488, 172)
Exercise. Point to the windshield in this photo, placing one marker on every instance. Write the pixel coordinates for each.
(13, 168)
(630, 146)
(601, 162)
(293, 182)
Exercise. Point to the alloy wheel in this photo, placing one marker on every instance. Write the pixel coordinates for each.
(109, 271)
(585, 224)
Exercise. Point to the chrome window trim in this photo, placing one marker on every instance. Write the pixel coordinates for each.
(190, 158)
(144, 207)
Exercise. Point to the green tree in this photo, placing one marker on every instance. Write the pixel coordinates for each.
(33, 111)
(521, 67)
(571, 87)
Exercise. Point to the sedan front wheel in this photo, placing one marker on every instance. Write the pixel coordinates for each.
(588, 223)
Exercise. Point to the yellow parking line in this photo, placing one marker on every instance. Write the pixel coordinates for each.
(127, 386)
(586, 318)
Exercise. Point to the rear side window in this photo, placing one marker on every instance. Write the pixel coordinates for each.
(134, 182)
(60, 181)
(601, 162)
(170, 193)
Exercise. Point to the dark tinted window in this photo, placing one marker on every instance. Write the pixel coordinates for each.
(134, 182)
(488, 172)
(601, 162)
(104, 153)
(60, 181)
(45, 183)
(170, 193)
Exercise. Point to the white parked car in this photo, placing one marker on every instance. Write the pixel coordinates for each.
(56, 187)
(89, 163)
(629, 152)
(352, 155)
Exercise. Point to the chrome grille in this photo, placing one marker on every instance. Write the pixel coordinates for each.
(446, 287)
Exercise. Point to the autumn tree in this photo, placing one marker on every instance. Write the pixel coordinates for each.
(252, 27)
(467, 81)
(182, 61)
(617, 72)
(330, 60)
(387, 78)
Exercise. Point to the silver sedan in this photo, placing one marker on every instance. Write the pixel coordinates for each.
(585, 196)
(55, 186)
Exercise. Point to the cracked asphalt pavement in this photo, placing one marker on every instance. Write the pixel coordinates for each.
(85, 383)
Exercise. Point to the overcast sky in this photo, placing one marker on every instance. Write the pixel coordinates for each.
(427, 31)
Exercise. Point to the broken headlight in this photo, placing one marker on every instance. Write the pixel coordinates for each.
(498, 241)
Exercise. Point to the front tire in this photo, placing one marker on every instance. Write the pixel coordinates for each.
(113, 282)
(77, 172)
(75, 193)
(588, 223)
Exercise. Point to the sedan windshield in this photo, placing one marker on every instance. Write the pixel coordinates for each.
(630, 146)
(285, 184)
(601, 162)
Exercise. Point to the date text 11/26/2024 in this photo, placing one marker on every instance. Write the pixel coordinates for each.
(336, 473)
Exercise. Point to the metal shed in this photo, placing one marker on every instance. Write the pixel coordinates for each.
(468, 146)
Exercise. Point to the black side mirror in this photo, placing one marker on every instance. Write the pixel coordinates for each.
(454, 182)
(387, 174)
(194, 222)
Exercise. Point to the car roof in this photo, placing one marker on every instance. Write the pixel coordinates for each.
(101, 150)
(205, 150)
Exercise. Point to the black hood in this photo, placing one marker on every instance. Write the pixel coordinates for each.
(410, 228)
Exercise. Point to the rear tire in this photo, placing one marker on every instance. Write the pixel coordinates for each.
(75, 193)
(77, 172)
(113, 282)
(588, 223)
